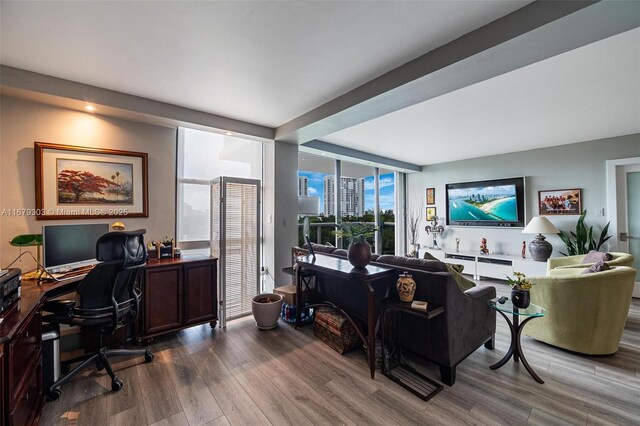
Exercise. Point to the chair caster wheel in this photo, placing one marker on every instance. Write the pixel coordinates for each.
(53, 395)
(116, 384)
(148, 356)
(99, 366)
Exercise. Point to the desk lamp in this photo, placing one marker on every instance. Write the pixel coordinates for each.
(539, 248)
(30, 240)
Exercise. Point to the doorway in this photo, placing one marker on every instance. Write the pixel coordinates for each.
(623, 185)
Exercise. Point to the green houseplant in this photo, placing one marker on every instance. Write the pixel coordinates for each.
(359, 250)
(520, 287)
(583, 239)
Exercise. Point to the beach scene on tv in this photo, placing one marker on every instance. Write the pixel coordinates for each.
(483, 203)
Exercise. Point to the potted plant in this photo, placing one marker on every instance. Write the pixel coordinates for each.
(520, 287)
(266, 309)
(359, 250)
(414, 215)
(583, 240)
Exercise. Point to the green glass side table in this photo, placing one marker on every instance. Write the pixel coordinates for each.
(515, 326)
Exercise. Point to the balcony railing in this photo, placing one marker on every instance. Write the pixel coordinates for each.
(323, 233)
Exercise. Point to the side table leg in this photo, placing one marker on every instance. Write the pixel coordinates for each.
(522, 358)
(372, 318)
(298, 296)
(512, 346)
(517, 351)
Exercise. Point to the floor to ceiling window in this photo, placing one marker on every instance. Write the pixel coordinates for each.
(202, 157)
(317, 195)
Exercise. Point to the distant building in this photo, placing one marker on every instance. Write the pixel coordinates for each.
(303, 186)
(351, 196)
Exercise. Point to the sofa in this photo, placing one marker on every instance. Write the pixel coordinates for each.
(586, 313)
(446, 340)
(618, 259)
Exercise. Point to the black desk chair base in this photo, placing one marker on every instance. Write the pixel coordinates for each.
(101, 360)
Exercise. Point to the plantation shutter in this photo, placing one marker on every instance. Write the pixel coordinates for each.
(235, 240)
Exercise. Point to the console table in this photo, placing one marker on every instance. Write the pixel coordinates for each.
(322, 266)
(490, 265)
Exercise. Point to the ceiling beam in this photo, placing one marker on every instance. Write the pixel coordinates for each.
(318, 146)
(70, 94)
(536, 32)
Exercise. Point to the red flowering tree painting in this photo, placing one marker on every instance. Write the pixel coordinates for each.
(92, 182)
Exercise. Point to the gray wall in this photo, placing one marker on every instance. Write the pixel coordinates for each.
(579, 165)
(23, 122)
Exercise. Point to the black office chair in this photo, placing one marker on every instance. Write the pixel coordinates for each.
(107, 299)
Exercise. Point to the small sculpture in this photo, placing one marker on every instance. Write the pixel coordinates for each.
(457, 245)
(524, 249)
(436, 230)
(483, 246)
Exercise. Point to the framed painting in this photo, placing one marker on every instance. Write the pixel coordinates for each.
(74, 182)
(560, 202)
(431, 196)
(431, 212)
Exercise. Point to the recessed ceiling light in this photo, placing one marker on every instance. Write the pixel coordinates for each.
(228, 133)
(90, 108)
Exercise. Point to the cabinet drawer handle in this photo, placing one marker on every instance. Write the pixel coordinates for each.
(26, 335)
(26, 396)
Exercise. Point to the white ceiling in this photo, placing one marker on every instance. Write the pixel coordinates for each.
(267, 62)
(588, 93)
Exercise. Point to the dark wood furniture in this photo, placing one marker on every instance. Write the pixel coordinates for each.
(193, 280)
(323, 268)
(178, 293)
(21, 353)
(393, 362)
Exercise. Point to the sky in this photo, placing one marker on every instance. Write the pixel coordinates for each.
(387, 197)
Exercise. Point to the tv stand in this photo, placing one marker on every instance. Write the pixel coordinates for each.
(497, 266)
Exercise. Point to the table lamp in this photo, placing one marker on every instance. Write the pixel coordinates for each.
(539, 248)
(30, 240)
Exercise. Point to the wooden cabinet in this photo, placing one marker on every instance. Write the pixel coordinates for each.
(178, 294)
(21, 371)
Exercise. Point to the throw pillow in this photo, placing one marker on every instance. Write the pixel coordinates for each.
(457, 267)
(464, 284)
(596, 256)
(596, 267)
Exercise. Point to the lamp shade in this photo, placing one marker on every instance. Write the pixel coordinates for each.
(540, 225)
(308, 205)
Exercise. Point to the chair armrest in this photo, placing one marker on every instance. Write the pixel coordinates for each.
(57, 306)
(481, 292)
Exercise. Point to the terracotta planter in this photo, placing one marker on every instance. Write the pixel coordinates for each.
(359, 254)
(266, 310)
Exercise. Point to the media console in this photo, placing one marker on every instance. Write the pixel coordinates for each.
(497, 266)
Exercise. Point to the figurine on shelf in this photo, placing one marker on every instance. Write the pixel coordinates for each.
(457, 245)
(524, 249)
(483, 246)
(436, 230)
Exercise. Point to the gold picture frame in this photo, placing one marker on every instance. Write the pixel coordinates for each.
(74, 182)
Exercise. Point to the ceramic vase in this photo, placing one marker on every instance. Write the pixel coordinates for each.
(266, 310)
(406, 287)
(359, 254)
(520, 298)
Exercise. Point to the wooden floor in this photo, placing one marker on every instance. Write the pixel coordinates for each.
(243, 376)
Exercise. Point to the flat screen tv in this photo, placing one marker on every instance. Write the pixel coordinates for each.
(498, 202)
(67, 247)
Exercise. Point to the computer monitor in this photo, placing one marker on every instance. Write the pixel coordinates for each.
(71, 246)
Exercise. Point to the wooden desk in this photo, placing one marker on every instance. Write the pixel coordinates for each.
(21, 390)
(177, 293)
(341, 268)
